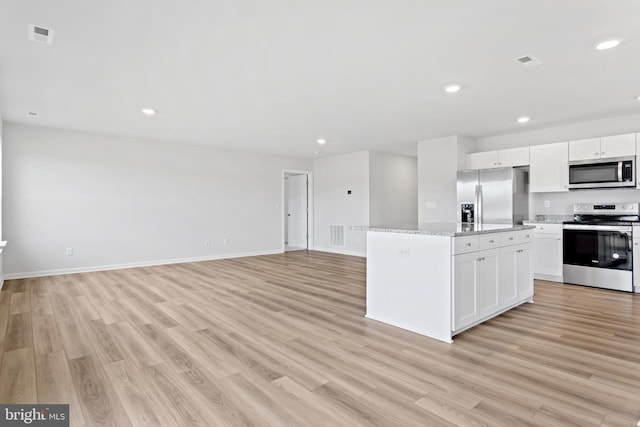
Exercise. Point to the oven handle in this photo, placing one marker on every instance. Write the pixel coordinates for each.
(618, 228)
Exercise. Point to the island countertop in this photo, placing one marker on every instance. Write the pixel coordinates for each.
(452, 229)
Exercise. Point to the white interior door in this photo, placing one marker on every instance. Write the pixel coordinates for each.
(297, 211)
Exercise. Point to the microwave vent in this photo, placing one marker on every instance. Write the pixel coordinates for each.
(528, 60)
(40, 34)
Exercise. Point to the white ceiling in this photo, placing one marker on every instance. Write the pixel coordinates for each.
(274, 76)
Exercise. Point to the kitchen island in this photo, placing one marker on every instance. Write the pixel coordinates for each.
(441, 279)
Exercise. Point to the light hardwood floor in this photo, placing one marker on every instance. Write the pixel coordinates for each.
(281, 340)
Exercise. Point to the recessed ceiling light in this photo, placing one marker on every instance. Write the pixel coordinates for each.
(638, 98)
(523, 119)
(322, 141)
(608, 44)
(148, 111)
(452, 88)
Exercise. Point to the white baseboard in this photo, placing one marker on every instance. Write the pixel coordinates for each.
(58, 272)
(340, 251)
(548, 278)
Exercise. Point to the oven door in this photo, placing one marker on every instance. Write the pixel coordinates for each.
(598, 246)
(598, 255)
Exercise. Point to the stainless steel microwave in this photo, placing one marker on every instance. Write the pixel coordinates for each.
(603, 173)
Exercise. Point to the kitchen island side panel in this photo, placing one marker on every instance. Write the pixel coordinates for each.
(409, 282)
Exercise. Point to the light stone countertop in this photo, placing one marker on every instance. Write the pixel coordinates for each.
(550, 219)
(444, 229)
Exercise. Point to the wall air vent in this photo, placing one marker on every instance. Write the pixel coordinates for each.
(336, 237)
(528, 60)
(40, 34)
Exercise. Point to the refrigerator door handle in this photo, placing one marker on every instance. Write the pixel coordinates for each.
(478, 216)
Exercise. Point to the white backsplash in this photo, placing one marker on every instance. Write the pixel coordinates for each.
(562, 203)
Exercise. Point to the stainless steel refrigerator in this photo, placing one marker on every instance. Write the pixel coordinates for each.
(493, 196)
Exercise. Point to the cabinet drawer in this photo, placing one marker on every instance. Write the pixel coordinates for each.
(524, 236)
(464, 244)
(508, 239)
(489, 241)
(548, 228)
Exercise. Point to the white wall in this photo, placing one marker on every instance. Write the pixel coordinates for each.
(438, 162)
(393, 189)
(334, 176)
(562, 203)
(120, 201)
(1, 174)
(581, 130)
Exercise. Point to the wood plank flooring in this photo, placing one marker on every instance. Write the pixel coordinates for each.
(281, 340)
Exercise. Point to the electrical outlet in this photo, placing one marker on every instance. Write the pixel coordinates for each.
(547, 204)
(403, 252)
(207, 242)
(68, 252)
(431, 205)
(224, 241)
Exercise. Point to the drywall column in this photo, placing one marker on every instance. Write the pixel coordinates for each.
(341, 198)
(438, 161)
(1, 250)
(393, 189)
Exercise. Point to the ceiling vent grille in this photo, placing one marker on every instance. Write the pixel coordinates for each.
(40, 34)
(528, 60)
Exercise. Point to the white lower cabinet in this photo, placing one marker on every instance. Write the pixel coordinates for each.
(487, 282)
(509, 275)
(547, 252)
(465, 298)
(524, 272)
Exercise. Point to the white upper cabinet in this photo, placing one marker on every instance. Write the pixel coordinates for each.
(501, 158)
(549, 170)
(605, 147)
(483, 160)
(584, 149)
(514, 157)
(618, 145)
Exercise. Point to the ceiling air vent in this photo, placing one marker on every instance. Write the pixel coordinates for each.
(528, 60)
(40, 34)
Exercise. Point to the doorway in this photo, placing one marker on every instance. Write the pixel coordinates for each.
(296, 208)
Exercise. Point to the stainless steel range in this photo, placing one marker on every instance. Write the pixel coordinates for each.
(598, 245)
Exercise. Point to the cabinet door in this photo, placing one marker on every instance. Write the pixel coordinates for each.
(547, 254)
(483, 160)
(488, 282)
(618, 145)
(549, 168)
(508, 276)
(525, 276)
(465, 307)
(514, 157)
(584, 149)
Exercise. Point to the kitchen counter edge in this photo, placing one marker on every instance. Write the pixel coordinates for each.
(437, 230)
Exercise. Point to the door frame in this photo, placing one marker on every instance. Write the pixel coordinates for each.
(309, 206)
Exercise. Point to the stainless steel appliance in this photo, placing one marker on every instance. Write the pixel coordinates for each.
(603, 173)
(636, 257)
(598, 245)
(493, 196)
